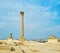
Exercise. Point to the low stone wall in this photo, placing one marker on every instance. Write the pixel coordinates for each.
(5, 48)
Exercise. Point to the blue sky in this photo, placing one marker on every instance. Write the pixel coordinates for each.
(41, 18)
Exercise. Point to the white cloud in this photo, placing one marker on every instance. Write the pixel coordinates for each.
(2, 24)
(58, 2)
(32, 13)
(52, 29)
(30, 26)
(38, 18)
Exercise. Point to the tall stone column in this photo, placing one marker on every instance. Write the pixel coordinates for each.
(22, 26)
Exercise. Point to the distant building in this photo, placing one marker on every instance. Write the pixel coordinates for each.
(52, 39)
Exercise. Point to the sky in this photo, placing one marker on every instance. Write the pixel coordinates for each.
(41, 18)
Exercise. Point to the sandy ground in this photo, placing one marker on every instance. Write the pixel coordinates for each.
(36, 48)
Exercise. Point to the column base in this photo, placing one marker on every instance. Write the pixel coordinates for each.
(22, 39)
